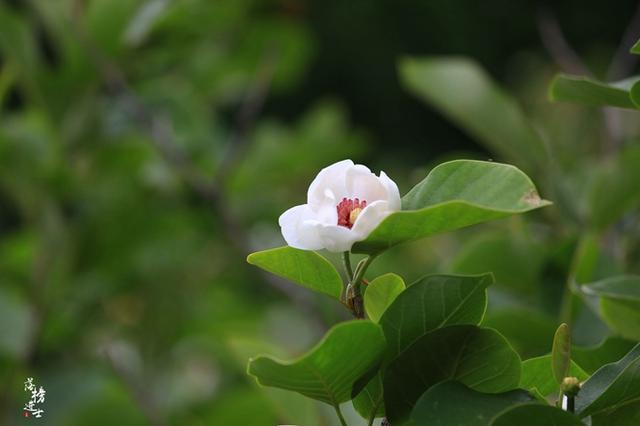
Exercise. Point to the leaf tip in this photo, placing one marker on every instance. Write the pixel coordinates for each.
(250, 258)
(532, 199)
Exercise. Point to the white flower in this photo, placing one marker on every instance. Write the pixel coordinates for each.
(345, 202)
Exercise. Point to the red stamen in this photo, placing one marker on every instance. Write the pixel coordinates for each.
(346, 206)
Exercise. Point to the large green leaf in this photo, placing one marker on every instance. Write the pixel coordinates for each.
(612, 386)
(561, 353)
(535, 415)
(619, 303)
(512, 320)
(463, 92)
(480, 358)
(369, 402)
(454, 195)
(586, 91)
(452, 403)
(380, 293)
(329, 370)
(432, 302)
(303, 267)
(608, 351)
(636, 48)
(291, 407)
(516, 261)
(626, 415)
(537, 373)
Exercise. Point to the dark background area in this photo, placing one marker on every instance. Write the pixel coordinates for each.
(358, 43)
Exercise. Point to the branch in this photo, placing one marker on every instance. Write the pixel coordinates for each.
(623, 62)
(569, 61)
(557, 45)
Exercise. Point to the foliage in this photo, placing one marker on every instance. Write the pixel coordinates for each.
(434, 350)
(148, 146)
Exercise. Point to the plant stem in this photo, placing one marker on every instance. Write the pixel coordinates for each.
(343, 422)
(346, 259)
(354, 294)
(571, 404)
(371, 420)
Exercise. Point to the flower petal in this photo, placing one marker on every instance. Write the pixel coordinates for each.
(300, 228)
(370, 218)
(329, 185)
(336, 238)
(363, 184)
(393, 194)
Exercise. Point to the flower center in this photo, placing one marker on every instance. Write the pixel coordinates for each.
(349, 210)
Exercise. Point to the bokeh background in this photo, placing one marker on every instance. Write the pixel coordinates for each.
(147, 146)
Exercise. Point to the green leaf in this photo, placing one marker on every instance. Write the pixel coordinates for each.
(627, 415)
(291, 407)
(327, 372)
(608, 351)
(515, 261)
(480, 358)
(624, 287)
(441, 405)
(582, 90)
(303, 267)
(432, 302)
(464, 93)
(537, 374)
(369, 402)
(380, 293)
(611, 386)
(636, 48)
(619, 303)
(613, 192)
(511, 321)
(454, 195)
(622, 317)
(634, 92)
(535, 415)
(561, 353)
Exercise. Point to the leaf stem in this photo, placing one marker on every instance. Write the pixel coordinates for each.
(371, 420)
(571, 404)
(354, 293)
(343, 422)
(346, 259)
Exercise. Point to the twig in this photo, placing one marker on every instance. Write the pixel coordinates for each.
(343, 422)
(569, 61)
(623, 62)
(556, 44)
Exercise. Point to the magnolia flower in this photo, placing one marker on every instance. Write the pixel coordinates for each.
(345, 202)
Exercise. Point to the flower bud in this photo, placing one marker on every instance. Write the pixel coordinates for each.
(570, 386)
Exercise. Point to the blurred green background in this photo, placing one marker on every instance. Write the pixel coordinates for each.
(147, 146)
